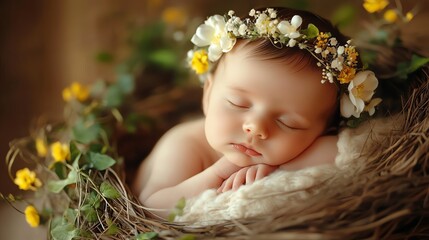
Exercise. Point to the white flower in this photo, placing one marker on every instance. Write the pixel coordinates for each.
(370, 108)
(213, 34)
(361, 89)
(262, 24)
(340, 50)
(252, 12)
(338, 63)
(242, 29)
(290, 29)
(291, 43)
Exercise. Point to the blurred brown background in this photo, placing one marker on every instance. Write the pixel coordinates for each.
(47, 44)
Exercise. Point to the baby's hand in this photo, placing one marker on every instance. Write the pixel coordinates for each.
(246, 176)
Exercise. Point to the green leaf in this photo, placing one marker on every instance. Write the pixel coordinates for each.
(312, 31)
(58, 185)
(64, 232)
(86, 131)
(125, 83)
(112, 228)
(146, 236)
(70, 215)
(108, 191)
(89, 213)
(164, 58)
(405, 68)
(104, 57)
(74, 151)
(93, 200)
(100, 161)
(113, 97)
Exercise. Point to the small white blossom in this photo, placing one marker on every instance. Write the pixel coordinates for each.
(333, 41)
(290, 29)
(231, 13)
(252, 13)
(291, 43)
(361, 89)
(242, 29)
(340, 50)
(318, 50)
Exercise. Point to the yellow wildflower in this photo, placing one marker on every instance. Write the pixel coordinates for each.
(67, 94)
(32, 216)
(27, 180)
(346, 74)
(60, 152)
(41, 147)
(352, 55)
(174, 16)
(200, 62)
(390, 16)
(409, 16)
(322, 40)
(80, 92)
(375, 5)
(77, 91)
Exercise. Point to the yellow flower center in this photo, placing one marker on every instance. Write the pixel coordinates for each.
(60, 152)
(27, 180)
(200, 62)
(359, 90)
(32, 216)
(346, 75)
(375, 5)
(322, 40)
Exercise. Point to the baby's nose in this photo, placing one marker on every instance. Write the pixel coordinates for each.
(255, 129)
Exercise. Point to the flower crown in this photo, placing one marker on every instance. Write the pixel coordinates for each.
(219, 34)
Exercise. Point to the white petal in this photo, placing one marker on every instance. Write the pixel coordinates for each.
(346, 107)
(198, 41)
(227, 43)
(205, 33)
(283, 27)
(296, 21)
(214, 52)
(294, 35)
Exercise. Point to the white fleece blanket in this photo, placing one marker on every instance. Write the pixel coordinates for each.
(282, 189)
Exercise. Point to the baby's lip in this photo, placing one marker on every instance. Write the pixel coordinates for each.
(246, 150)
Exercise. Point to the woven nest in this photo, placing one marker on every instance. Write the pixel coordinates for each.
(388, 199)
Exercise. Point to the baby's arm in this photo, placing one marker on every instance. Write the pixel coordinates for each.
(245, 176)
(322, 151)
(177, 168)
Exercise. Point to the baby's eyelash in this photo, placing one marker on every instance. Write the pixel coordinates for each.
(287, 126)
(237, 105)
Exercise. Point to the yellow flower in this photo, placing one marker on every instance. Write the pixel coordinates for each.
(77, 91)
(27, 180)
(174, 16)
(352, 55)
(390, 16)
(375, 5)
(80, 92)
(322, 40)
(346, 74)
(200, 62)
(60, 152)
(67, 94)
(409, 16)
(41, 147)
(32, 216)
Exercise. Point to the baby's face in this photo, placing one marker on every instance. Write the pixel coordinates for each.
(265, 111)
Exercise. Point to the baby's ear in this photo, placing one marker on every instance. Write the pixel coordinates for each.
(207, 88)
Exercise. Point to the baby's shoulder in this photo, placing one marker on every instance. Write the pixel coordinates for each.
(184, 140)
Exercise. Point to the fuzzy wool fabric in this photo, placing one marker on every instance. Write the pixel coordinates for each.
(287, 190)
